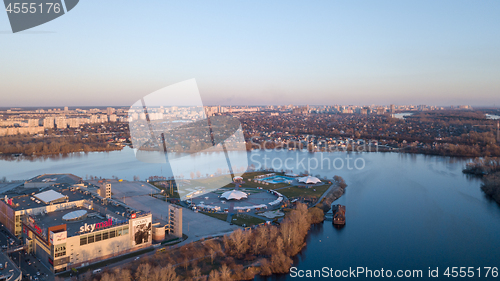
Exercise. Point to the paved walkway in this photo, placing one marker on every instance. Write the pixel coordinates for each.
(333, 186)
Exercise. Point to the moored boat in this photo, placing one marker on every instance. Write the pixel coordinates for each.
(338, 214)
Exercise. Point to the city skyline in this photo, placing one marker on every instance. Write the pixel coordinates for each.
(398, 107)
(259, 53)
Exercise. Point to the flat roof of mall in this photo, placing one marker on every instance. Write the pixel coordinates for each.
(25, 202)
(55, 178)
(8, 186)
(73, 227)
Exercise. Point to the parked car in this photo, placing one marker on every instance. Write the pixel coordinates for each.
(97, 271)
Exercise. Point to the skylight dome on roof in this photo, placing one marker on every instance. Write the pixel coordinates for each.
(75, 215)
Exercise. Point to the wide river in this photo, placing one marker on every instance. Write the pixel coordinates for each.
(404, 212)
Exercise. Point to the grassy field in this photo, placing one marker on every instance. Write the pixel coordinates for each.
(294, 191)
(244, 219)
(253, 184)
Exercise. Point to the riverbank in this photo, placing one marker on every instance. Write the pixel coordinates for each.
(40, 147)
(491, 186)
(488, 170)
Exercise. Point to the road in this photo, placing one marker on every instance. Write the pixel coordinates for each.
(31, 267)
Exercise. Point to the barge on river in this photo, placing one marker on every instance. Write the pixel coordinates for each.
(338, 214)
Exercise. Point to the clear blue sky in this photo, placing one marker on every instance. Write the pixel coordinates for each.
(258, 52)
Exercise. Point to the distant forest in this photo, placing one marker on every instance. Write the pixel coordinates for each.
(49, 145)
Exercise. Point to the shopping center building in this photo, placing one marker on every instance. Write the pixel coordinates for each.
(66, 225)
(78, 236)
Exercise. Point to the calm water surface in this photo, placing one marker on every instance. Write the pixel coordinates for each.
(403, 211)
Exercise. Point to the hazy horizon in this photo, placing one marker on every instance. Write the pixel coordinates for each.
(72, 107)
(258, 53)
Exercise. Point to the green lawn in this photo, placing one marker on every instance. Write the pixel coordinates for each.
(253, 184)
(244, 219)
(294, 191)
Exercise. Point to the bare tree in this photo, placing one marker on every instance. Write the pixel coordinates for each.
(123, 274)
(185, 262)
(239, 241)
(143, 272)
(156, 274)
(213, 253)
(108, 277)
(225, 273)
(196, 272)
(214, 276)
(265, 268)
(168, 273)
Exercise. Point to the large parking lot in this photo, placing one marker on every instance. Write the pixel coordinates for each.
(124, 189)
(195, 225)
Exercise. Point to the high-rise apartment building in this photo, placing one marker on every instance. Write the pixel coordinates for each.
(48, 122)
(33, 123)
(105, 190)
(175, 220)
(61, 123)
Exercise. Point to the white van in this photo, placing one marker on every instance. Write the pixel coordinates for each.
(97, 271)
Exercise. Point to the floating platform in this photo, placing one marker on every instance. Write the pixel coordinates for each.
(338, 214)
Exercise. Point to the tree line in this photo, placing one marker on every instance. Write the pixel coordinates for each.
(29, 145)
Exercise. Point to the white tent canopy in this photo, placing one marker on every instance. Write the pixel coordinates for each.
(309, 179)
(234, 195)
